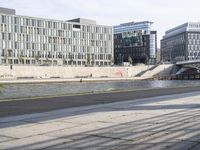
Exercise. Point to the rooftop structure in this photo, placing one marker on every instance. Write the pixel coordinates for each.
(7, 11)
(133, 26)
(189, 27)
(83, 21)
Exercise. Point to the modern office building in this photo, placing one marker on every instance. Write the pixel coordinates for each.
(30, 40)
(181, 43)
(134, 41)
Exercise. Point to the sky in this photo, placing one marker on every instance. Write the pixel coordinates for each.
(165, 14)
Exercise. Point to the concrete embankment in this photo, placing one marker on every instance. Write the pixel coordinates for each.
(68, 72)
(37, 74)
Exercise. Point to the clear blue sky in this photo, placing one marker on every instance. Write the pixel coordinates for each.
(164, 13)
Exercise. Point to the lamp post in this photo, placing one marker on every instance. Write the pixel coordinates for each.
(127, 73)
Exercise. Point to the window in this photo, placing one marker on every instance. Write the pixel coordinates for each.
(3, 36)
(16, 20)
(33, 22)
(76, 27)
(3, 19)
(54, 25)
(27, 22)
(9, 36)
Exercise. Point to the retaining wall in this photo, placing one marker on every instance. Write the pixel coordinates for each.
(68, 72)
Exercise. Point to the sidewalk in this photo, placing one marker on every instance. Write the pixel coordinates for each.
(167, 122)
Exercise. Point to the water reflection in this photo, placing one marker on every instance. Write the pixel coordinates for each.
(30, 90)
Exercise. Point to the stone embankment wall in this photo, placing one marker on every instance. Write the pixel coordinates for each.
(68, 72)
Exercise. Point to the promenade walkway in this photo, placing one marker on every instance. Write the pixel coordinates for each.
(166, 122)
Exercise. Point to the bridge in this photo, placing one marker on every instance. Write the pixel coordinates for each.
(186, 70)
(182, 70)
(190, 64)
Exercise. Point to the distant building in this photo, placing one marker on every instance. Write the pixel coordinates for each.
(135, 41)
(181, 43)
(158, 57)
(29, 41)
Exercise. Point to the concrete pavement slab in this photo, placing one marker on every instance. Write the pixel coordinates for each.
(34, 129)
(32, 143)
(171, 123)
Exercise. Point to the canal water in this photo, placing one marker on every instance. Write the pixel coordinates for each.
(49, 89)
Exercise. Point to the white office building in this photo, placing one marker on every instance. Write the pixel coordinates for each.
(37, 41)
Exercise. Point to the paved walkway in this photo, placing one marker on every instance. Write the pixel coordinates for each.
(167, 122)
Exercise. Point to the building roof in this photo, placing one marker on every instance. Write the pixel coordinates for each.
(189, 26)
(83, 21)
(7, 11)
(72, 21)
(133, 26)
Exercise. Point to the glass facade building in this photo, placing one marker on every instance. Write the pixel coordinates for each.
(135, 41)
(181, 43)
(29, 41)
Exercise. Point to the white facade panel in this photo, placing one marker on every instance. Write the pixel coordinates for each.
(152, 46)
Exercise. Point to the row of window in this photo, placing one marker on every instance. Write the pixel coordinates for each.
(57, 33)
(193, 53)
(33, 22)
(52, 62)
(180, 39)
(194, 25)
(131, 52)
(193, 36)
(48, 54)
(193, 57)
(55, 47)
(56, 40)
(194, 42)
(194, 47)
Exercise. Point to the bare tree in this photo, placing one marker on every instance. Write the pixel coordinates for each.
(93, 59)
(130, 60)
(37, 57)
(88, 59)
(70, 58)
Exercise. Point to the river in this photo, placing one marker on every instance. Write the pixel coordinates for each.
(51, 89)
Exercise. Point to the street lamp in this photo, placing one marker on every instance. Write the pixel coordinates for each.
(122, 58)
